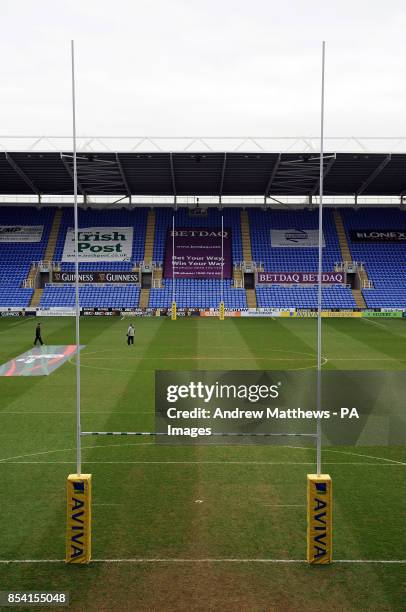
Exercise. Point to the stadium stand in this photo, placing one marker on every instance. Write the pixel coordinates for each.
(191, 293)
(107, 296)
(16, 257)
(106, 218)
(163, 222)
(125, 296)
(304, 297)
(385, 263)
(296, 259)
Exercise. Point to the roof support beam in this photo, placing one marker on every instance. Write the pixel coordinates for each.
(22, 174)
(68, 168)
(223, 172)
(123, 177)
(273, 174)
(373, 175)
(326, 170)
(172, 175)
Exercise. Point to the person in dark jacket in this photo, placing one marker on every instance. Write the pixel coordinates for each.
(38, 335)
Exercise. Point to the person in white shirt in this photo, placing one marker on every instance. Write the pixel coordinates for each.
(130, 334)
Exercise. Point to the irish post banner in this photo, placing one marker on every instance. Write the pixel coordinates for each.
(99, 244)
(296, 238)
(198, 252)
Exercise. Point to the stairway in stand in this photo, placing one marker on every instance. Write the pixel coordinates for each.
(48, 257)
(36, 298)
(149, 237)
(342, 237)
(245, 236)
(346, 256)
(144, 298)
(251, 298)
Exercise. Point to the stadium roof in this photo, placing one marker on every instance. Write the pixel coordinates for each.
(235, 172)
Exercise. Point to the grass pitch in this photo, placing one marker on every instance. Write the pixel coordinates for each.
(205, 524)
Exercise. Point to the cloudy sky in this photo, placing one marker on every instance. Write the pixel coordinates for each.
(208, 67)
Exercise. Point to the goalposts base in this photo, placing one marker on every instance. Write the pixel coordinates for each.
(78, 518)
(221, 311)
(319, 519)
(173, 311)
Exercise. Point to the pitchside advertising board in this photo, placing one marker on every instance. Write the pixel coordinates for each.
(295, 238)
(378, 235)
(197, 253)
(21, 233)
(96, 277)
(99, 244)
(300, 278)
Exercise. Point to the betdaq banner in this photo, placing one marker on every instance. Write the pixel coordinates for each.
(295, 238)
(21, 233)
(197, 252)
(96, 277)
(377, 235)
(300, 278)
(99, 244)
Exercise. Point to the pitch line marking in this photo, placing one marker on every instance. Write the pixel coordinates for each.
(64, 450)
(374, 323)
(363, 455)
(310, 463)
(306, 448)
(330, 450)
(206, 560)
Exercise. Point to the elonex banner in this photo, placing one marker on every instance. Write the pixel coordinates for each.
(378, 235)
(295, 238)
(21, 233)
(99, 244)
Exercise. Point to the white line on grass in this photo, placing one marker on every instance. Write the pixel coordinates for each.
(206, 560)
(64, 450)
(118, 462)
(374, 323)
(329, 450)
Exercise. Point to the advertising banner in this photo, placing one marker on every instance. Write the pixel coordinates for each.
(197, 253)
(341, 314)
(99, 244)
(79, 518)
(390, 314)
(96, 277)
(296, 238)
(300, 278)
(378, 235)
(21, 233)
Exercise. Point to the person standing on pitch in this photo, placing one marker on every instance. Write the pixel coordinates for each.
(130, 334)
(38, 335)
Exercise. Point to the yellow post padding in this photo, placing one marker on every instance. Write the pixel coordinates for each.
(173, 311)
(319, 519)
(79, 518)
(221, 311)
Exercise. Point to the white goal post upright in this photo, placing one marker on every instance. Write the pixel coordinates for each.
(174, 308)
(319, 486)
(78, 486)
(221, 306)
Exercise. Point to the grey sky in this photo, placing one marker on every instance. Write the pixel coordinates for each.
(225, 67)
